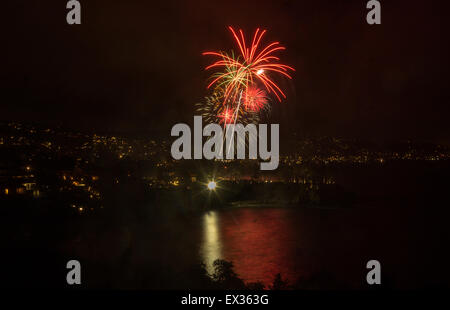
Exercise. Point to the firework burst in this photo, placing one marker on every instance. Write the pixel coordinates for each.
(213, 111)
(253, 64)
(255, 99)
(242, 83)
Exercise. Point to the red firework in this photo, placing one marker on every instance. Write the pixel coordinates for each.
(226, 116)
(254, 99)
(256, 63)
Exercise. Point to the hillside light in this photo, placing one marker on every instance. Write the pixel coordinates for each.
(212, 185)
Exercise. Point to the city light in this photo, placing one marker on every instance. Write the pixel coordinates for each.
(212, 185)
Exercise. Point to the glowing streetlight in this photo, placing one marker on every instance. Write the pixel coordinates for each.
(212, 185)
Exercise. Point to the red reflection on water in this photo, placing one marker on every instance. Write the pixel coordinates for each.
(330, 247)
(259, 246)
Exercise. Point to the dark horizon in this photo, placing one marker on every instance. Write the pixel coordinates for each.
(137, 68)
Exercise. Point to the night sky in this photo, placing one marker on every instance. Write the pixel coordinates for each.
(136, 66)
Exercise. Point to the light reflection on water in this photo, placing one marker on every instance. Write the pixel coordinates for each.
(211, 246)
(314, 243)
(260, 243)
